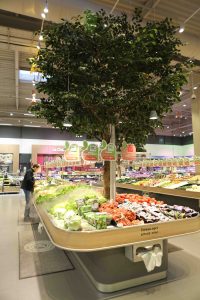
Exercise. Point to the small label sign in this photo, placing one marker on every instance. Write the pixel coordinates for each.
(150, 231)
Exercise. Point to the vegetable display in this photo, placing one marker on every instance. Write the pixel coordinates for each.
(79, 207)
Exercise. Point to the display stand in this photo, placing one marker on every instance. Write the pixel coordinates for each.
(111, 270)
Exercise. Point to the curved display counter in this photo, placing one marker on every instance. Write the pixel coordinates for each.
(110, 257)
(86, 241)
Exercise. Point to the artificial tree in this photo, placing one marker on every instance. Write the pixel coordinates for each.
(103, 70)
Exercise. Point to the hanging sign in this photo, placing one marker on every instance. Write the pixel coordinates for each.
(90, 152)
(108, 151)
(72, 152)
(128, 151)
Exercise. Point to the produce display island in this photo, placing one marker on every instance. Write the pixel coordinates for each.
(86, 241)
(119, 257)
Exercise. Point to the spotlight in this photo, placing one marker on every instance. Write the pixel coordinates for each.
(181, 29)
(153, 115)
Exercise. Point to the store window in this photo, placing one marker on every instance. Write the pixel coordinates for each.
(28, 76)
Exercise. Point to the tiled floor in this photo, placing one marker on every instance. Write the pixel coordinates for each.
(183, 280)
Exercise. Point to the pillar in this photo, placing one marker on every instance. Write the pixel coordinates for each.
(196, 125)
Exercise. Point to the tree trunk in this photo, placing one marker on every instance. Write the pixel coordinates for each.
(119, 170)
(106, 179)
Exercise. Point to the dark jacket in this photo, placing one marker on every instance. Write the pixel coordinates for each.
(28, 181)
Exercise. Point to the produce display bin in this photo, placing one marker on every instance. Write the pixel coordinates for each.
(117, 237)
(111, 270)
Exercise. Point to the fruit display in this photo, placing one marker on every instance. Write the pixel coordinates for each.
(80, 207)
(171, 181)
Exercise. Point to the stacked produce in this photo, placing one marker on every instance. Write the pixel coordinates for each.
(171, 181)
(80, 207)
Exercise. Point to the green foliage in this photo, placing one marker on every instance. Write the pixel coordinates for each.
(103, 70)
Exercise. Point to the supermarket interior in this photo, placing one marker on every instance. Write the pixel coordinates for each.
(99, 149)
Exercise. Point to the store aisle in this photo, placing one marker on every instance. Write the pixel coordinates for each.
(183, 279)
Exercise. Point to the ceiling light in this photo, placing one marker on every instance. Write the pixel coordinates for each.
(46, 10)
(32, 126)
(174, 135)
(5, 124)
(67, 125)
(11, 114)
(43, 15)
(184, 105)
(195, 87)
(153, 115)
(193, 96)
(29, 115)
(183, 131)
(181, 29)
(167, 127)
(41, 37)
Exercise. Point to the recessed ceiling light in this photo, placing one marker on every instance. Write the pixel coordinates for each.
(183, 131)
(195, 87)
(5, 124)
(29, 115)
(32, 126)
(167, 127)
(184, 105)
(11, 114)
(67, 125)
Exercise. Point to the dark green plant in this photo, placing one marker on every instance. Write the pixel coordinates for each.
(103, 70)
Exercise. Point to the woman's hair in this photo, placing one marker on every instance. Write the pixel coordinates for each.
(36, 166)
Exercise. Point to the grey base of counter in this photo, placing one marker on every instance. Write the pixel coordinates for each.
(111, 270)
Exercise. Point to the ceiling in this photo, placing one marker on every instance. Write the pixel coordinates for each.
(19, 20)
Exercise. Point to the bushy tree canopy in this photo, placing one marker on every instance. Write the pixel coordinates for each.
(102, 70)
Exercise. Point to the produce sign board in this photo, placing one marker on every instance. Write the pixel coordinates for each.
(72, 152)
(90, 152)
(108, 151)
(128, 151)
